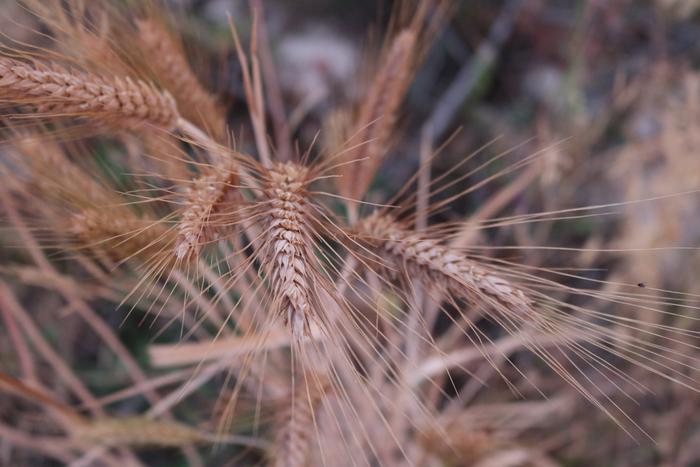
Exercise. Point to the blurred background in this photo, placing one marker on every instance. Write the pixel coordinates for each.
(607, 91)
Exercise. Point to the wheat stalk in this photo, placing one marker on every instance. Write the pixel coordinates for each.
(170, 67)
(55, 91)
(377, 116)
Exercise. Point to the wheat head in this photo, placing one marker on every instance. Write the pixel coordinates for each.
(55, 91)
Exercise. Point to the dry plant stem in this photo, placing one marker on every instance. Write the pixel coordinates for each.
(283, 138)
(10, 302)
(471, 73)
(169, 64)
(287, 244)
(56, 448)
(142, 431)
(18, 342)
(136, 431)
(164, 356)
(55, 91)
(434, 366)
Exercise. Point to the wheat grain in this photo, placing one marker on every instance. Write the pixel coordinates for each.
(56, 91)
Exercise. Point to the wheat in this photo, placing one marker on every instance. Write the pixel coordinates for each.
(437, 266)
(288, 254)
(299, 424)
(121, 234)
(169, 65)
(210, 202)
(55, 91)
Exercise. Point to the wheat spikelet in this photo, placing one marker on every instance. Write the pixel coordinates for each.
(136, 431)
(210, 196)
(171, 69)
(299, 423)
(288, 254)
(56, 91)
(439, 267)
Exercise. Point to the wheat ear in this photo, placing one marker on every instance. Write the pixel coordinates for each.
(288, 254)
(56, 91)
(439, 267)
(121, 234)
(209, 198)
(377, 116)
(171, 69)
(298, 428)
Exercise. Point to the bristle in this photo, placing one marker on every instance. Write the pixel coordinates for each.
(211, 199)
(438, 267)
(56, 91)
(168, 62)
(288, 253)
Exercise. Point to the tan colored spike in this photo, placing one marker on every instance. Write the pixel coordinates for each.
(56, 91)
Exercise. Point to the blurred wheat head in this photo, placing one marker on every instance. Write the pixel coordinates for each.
(339, 329)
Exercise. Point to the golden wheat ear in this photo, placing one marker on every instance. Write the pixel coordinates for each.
(288, 247)
(209, 210)
(437, 267)
(54, 91)
(165, 57)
